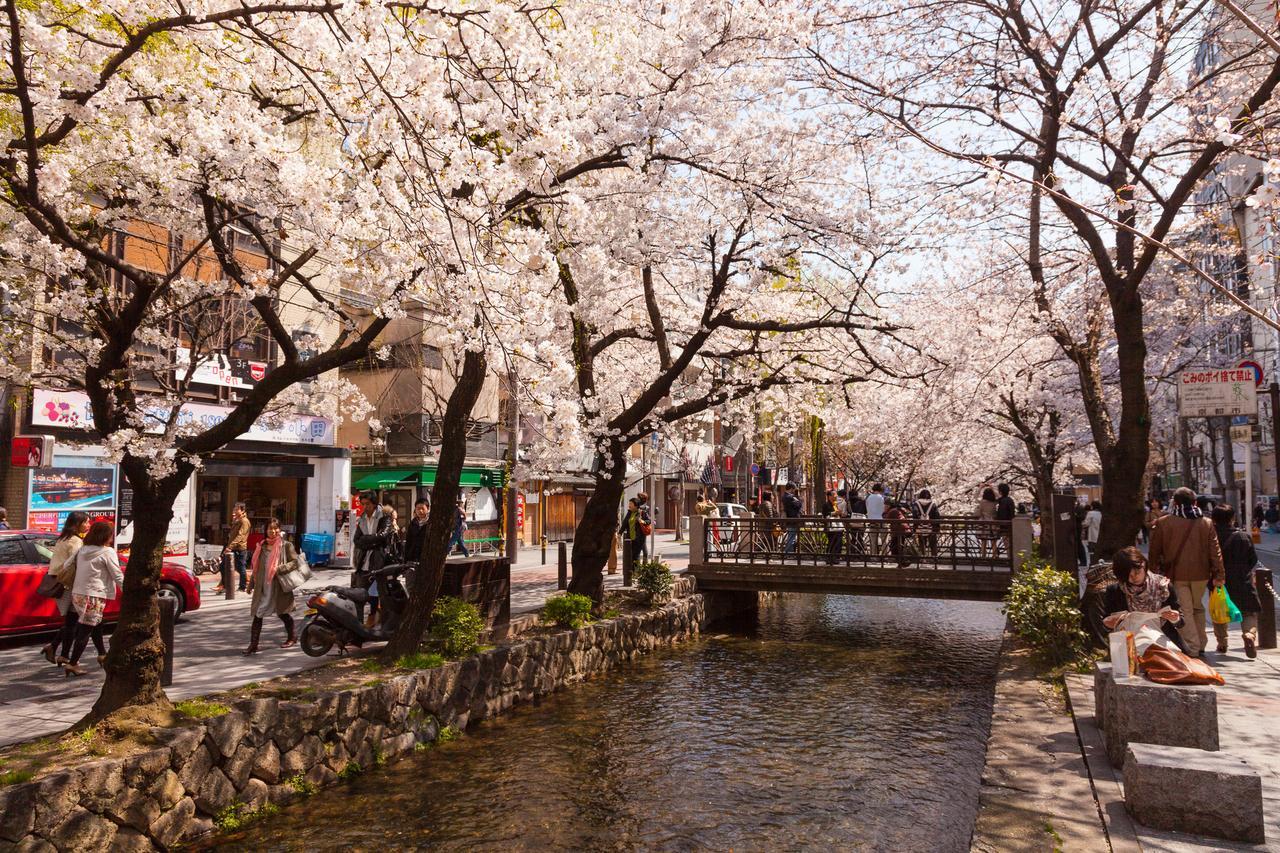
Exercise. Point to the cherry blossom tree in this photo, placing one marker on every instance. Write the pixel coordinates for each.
(345, 157)
(1094, 111)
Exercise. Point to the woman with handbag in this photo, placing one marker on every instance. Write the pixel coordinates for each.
(98, 581)
(62, 569)
(273, 559)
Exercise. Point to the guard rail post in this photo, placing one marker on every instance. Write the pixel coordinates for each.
(628, 560)
(563, 568)
(228, 577)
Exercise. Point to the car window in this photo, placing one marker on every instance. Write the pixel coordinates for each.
(44, 547)
(12, 552)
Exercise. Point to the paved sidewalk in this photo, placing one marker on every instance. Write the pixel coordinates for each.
(36, 699)
(1248, 708)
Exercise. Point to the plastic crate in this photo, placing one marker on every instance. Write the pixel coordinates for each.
(318, 548)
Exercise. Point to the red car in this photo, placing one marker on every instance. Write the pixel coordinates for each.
(24, 559)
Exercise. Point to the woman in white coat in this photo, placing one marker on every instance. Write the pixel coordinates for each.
(62, 565)
(98, 581)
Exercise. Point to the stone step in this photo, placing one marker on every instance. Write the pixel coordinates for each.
(1191, 790)
(1139, 711)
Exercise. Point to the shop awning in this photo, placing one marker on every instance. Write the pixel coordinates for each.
(383, 479)
(473, 477)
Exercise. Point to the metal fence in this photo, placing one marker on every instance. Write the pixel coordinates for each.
(953, 544)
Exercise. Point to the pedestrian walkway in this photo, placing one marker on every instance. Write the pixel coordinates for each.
(1248, 708)
(36, 699)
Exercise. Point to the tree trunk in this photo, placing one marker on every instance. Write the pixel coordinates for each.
(593, 537)
(424, 586)
(1124, 464)
(136, 654)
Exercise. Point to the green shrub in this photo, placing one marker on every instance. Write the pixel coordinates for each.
(654, 578)
(1042, 606)
(299, 783)
(456, 626)
(567, 611)
(351, 771)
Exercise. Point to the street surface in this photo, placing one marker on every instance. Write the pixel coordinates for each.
(36, 699)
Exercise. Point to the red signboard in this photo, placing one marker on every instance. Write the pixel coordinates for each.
(519, 510)
(31, 451)
(728, 464)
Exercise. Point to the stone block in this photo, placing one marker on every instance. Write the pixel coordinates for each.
(167, 790)
(215, 793)
(198, 765)
(1141, 711)
(238, 766)
(56, 795)
(225, 733)
(34, 844)
(266, 764)
(83, 830)
(261, 714)
(17, 811)
(1194, 791)
(131, 841)
(135, 807)
(99, 782)
(321, 776)
(168, 829)
(181, 742)
(255, 793)
(1101, 678)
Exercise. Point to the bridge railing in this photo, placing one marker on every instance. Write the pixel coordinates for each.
(955, 544)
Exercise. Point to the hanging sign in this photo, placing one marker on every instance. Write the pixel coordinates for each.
(1217, 393)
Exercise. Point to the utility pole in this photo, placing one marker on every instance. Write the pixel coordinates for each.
(513, 442)
(1274, 391)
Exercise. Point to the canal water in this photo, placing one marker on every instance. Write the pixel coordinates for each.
(834, 723)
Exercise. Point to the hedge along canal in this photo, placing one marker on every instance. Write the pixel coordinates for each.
(265, 753)
(831, 723)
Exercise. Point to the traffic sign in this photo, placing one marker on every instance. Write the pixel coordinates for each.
(1217, 393)
(755, 468)
(1249, 364)
(1242, 434)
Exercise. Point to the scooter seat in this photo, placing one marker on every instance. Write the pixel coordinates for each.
(359, 596)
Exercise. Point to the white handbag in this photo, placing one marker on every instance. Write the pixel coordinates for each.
(296, 578)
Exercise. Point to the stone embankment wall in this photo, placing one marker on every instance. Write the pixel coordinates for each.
(265, 750)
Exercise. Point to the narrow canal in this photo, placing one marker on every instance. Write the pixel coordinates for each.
(835, 723)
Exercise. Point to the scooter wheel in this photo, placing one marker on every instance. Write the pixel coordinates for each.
(316, 640)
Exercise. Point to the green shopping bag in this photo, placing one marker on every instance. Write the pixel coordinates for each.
(1222, 610)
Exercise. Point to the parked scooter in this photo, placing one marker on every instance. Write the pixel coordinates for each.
(336, 614)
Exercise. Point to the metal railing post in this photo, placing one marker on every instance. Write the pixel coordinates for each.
(563, 567)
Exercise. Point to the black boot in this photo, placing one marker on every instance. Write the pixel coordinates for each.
(82, 639)
(287, 619)
(255, 633)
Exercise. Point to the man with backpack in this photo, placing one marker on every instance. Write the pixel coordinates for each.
(792, 509)
(926, 513)
(645, 521)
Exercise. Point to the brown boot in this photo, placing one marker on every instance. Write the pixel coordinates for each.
(255, 633)
(288, 625)
(1250, 646)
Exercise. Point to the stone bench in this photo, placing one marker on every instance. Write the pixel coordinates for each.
(1101, 678)
(1190, 790)
(1140, 711)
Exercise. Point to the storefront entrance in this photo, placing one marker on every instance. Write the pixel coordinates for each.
(282, 497)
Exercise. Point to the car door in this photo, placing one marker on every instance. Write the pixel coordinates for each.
(21, 608)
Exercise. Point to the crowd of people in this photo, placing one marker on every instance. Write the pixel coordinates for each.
(912, 523)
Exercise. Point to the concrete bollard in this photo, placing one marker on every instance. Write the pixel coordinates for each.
(544, 550)
(229, 578)
(563, 573)
(628, 563)
(168, 616)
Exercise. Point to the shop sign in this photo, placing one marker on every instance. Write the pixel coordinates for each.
(218, 369)
(520, 510)
(71, 409)
(177, 538)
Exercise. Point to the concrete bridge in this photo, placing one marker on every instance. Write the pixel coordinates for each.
(947, 558)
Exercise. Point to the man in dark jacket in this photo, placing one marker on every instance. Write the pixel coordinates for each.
(1006, 509)
(415, 538)
(791, 508)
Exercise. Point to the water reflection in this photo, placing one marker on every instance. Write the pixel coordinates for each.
(838, 723)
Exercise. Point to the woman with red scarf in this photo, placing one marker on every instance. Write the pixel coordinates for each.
(274, 557)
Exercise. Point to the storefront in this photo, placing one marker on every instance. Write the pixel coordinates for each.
(287, 469)
(481, 494)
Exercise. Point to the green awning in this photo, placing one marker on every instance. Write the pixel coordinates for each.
(382, 479)
(473, 477)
